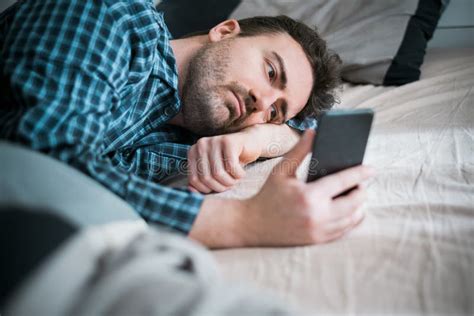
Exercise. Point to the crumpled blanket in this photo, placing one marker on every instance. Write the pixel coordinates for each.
(140, 271)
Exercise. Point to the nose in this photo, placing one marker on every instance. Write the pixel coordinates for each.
(263, 99)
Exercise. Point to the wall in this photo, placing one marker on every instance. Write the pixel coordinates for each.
(456, 27)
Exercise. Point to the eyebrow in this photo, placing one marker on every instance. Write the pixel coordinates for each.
(281, 65)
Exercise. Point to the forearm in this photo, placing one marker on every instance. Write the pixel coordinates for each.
(273, 140)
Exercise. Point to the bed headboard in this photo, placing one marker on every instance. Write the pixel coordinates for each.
(456, 26)
(455, 29)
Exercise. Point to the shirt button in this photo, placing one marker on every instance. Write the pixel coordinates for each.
(168, 111)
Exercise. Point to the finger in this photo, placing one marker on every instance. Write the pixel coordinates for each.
(199, 187)
(346, 205)
(205, 175)
(192, 189)
(335, 236)
(291, 161)
(218, 170)
(344, 223)
(232, 162)
(339, 182)
(341, 233)
(196, 184)
(193, 178)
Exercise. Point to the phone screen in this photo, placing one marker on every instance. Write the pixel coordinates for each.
(340, 141)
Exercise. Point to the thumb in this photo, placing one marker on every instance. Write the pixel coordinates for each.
(291, 161)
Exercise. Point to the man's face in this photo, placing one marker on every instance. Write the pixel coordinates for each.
(241, 81)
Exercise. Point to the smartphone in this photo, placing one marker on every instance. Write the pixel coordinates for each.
(340, 141)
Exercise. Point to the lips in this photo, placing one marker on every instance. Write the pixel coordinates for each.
(239, 106)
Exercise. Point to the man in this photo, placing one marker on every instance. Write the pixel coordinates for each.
(95, 84)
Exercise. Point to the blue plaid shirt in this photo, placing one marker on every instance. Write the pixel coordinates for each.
(93, 83)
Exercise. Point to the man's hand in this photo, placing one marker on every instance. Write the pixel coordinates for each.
(286, 211)
(216, 163)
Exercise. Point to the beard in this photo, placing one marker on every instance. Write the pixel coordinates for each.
(205, 109)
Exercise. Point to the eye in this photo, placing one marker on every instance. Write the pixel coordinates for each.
(271, 72)
(273, 113)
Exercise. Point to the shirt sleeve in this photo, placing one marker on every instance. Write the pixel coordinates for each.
(156, 162)
(66, 62)
(303, 124)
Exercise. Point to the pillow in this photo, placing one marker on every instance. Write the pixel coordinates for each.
(380, 42)
(33, 181)
(187, 16)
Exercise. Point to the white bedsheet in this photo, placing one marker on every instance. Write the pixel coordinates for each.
(414, 253)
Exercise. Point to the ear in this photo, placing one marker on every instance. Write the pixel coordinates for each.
(223, 30)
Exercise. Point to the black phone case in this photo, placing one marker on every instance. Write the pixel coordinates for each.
(340, 141)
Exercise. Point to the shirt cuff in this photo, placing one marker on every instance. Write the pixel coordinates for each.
(172, 207)
(303, 124)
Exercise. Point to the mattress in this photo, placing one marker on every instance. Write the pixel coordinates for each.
(414, 252)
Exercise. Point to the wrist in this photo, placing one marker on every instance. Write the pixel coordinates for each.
(272, 140)
(254, 134)
(221, 223)
(252, 143)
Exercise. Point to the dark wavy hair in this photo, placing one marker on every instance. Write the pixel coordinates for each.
(326, 64)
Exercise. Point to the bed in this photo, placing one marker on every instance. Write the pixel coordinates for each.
(414, 252)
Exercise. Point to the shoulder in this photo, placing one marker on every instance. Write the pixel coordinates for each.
(138, 13)
(139, 20)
